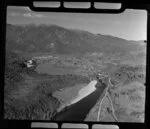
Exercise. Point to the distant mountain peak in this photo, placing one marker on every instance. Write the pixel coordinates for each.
(56, 39)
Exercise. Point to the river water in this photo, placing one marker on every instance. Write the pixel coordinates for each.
(81, 105)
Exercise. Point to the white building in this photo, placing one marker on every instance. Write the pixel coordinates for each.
(30, 63)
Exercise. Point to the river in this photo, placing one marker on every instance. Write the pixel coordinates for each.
(81, 106)
(85, 91)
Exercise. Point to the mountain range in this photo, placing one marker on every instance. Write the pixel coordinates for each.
(58, 40)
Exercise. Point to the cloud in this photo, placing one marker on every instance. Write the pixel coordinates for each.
(13, 14)
(39, 15)
(26, 8)
(34, 15)
(27, 15)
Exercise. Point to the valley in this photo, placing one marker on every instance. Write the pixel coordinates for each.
(66, 61)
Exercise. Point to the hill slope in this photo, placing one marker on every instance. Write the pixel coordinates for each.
(58, 40)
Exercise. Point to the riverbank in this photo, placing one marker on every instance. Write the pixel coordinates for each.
(78, 110)
(71, 95)
(66, 95)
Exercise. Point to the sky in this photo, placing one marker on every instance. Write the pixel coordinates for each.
(130, 25)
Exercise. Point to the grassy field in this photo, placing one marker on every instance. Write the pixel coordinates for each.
(129, 102)
(28, 94)
(53, 70)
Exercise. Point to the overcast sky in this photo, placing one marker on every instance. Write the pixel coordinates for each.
(130, 25)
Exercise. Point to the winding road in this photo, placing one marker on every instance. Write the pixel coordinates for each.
(111, 103)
